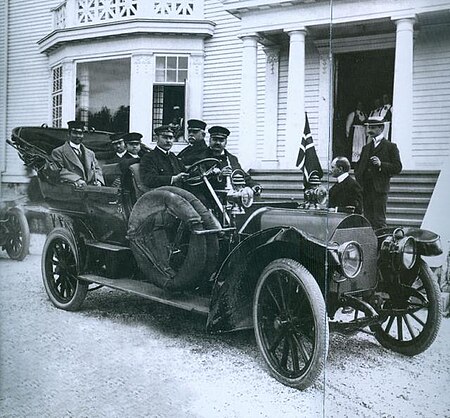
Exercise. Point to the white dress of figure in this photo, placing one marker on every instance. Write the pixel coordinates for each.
(356, 121)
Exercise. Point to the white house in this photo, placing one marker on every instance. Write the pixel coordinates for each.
(254, 66)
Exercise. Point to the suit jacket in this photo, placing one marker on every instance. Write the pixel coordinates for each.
(346, 193)
(366, 173)
(157, 168)
(191, 153)
(73, 168)
(227, 159)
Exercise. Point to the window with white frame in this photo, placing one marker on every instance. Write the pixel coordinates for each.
(169, 92)
(103, 94)
(57, 97)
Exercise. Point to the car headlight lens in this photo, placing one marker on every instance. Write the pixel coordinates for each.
(407, 250)
(351, 257)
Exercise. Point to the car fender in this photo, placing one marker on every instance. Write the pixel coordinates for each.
(235, 281)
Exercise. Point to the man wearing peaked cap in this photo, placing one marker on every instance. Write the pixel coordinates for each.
(77, 163)
(118, 145)
(134, 150)
(218, 136)
(161, 167)
(379, 161)
(197, 145)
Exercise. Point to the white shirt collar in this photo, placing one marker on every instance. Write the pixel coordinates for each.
(76, 146)
(163, 150)
(121, 154)
(342, 177)
(377, 140)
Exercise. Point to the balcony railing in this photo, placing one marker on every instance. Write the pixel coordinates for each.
(73, 13)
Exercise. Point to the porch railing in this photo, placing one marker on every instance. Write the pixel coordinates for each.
(73, 13)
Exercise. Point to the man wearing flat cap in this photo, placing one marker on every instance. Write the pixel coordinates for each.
(197, 144)
(77, 163)
(218, 136)
(161, 167)
(379, 161)
(118, 145)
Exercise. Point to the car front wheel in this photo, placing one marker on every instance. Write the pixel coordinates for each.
(60, 269)
(290, 322)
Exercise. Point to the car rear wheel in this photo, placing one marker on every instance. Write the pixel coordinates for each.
(412, 314)
(18, 240)
(60, 269)
(290, 322)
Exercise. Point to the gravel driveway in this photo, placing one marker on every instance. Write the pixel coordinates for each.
(123, 356)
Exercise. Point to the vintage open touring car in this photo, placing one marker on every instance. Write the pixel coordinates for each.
(284, 269)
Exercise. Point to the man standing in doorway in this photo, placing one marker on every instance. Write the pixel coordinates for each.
(379, 161)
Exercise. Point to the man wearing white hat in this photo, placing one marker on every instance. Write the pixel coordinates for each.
(379, 161)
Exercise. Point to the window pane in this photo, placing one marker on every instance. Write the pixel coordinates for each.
(103, 94)
(161, 62)
(172, 62)
(182, 75)
(171, 76)
(183, 63)
(159, 76)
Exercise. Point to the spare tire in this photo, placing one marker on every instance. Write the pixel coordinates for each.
(160, 230)
(209, 222)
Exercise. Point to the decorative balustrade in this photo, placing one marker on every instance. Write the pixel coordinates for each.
(74, 13)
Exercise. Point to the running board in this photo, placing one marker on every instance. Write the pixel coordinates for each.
(183, 300)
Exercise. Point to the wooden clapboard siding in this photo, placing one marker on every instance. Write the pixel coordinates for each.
(222, 72)
(3, 78)
(28, 86)
(407, 203)
(431, 97)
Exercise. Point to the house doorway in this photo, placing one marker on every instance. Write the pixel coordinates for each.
(359, 76)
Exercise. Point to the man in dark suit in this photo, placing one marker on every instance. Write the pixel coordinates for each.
(77, 163)
(346, 194)
(134, 150)
(197, 144)
(379, 161)
(161, 167)
(218, 137)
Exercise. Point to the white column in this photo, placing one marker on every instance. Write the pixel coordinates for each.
(83, 79)
(141, 95)
(323, 141)
(295, 118)
(247, 139)
(271, 108)
(403, 90)
(68, 94)
(194, 87)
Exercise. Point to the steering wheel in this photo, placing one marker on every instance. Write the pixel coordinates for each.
(200, 169)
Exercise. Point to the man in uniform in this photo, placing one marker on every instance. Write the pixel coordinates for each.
(118, 145)
(133, 152)
(197, 144)
(218, 136)
(161, 167)
(379, 161)
(77, 163)
(346, 193)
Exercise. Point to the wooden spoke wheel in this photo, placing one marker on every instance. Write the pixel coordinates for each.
(17, 242)
(60, 268)
(290, 323)
(412, 314)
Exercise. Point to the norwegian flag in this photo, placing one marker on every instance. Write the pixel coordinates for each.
(307, 159)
